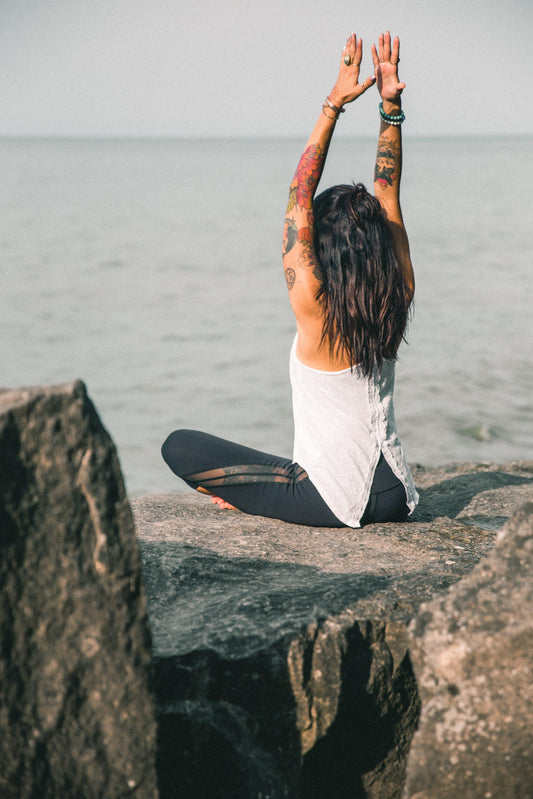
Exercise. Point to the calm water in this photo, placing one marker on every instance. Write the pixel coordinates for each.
(151, 270)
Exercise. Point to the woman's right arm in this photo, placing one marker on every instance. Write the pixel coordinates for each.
(388, 168)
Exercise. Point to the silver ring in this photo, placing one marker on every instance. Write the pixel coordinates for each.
(347, 60)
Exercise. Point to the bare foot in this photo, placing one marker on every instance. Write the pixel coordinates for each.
(222, 503)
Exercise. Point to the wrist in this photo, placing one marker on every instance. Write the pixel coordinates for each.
(336, 97)
(391, 119)
(393, 107)
(329, 107)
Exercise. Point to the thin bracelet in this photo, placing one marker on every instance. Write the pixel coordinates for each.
(391, 119)
(333, 119)
(335, 108)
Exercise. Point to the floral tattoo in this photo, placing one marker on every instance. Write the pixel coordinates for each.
(300, 230)
(306, 178)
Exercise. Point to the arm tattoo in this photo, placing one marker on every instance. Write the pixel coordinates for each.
(384, 175)
(290, 235)
(299, 221)
(292, 198)
(307, 257)
(306, 177)
(290, 277)
(387, 162)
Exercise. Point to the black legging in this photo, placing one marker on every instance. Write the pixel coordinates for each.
(265, 485)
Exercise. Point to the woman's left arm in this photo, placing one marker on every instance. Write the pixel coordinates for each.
(302, 271)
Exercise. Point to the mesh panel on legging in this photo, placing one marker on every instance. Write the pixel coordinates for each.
(251, 480)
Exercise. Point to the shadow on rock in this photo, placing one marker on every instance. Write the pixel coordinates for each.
(237, 606)
(450, 497)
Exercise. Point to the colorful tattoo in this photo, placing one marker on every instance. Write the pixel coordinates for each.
(384, 175)
(306, 178)
(290, 277)
(305, 236)
(292, 198)
(300, 205)
(387, 162)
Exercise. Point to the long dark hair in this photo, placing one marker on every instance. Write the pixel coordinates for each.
(363, 291)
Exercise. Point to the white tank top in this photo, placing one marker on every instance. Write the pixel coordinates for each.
(342, 422)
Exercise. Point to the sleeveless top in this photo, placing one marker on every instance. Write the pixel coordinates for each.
(343, 421)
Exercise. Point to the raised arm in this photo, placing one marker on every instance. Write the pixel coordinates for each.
(388, 169)
(302, 272)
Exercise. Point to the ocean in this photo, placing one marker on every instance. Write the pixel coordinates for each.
(151, 269)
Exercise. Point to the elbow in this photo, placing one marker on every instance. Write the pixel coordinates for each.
(409, 283)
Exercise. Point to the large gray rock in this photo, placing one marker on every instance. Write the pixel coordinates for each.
(76, 712)
(473, 657)
(281, 652)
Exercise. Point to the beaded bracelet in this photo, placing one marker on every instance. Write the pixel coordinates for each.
(334, 107)
(391, 119)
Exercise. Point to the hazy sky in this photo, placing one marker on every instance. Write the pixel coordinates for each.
(256, 67)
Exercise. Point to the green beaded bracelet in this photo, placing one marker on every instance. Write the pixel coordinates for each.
(391, 119)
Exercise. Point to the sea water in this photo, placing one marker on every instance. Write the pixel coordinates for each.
(151, 269)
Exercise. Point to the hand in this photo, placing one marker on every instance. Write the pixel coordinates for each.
(347, 88)
(386, 67)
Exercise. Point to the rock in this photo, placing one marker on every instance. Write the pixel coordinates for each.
(481, 494)
(473, 657)
(76, 711)
(281, 653)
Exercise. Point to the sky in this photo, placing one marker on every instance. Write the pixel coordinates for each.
(256, 67)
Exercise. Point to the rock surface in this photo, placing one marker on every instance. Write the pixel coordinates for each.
(76, 712)
(281, 652)
(473, 657)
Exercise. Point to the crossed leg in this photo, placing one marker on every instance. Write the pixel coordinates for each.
(248, 479)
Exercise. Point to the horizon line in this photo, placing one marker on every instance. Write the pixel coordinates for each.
(238, 136)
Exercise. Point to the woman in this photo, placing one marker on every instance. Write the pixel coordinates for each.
(350, 280)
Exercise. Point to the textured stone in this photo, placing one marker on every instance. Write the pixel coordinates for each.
(76, 712)
(473, 656)
(281, 653)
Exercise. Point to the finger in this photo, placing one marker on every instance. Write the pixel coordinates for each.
(350, 44)
(358, 55)
(386, 46)
(381, 47)
(395, 55)
(375, 57)
(349, 50)
(366, 84)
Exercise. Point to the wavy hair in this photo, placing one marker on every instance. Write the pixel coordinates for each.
(363, 291)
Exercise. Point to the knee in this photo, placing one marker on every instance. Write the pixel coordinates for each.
(176, 451)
